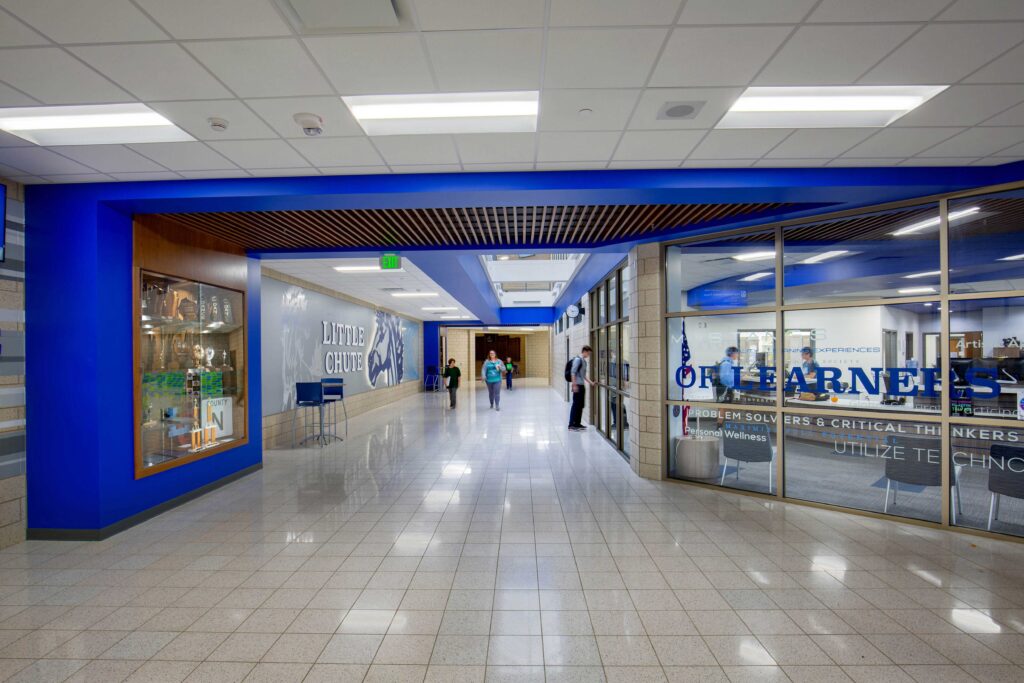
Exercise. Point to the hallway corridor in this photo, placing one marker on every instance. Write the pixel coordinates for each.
(470, 545)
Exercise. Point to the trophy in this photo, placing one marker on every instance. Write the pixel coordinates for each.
(197, 355)
(210, 352)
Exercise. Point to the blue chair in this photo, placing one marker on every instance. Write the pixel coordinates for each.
(308, 395)
(432, 379)
(334, 393)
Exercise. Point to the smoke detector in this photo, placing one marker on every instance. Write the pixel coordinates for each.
(217, 124)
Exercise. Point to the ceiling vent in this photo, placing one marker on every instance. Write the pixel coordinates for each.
(679, 111)
(530, 302)
(332, 16)
(392, 289)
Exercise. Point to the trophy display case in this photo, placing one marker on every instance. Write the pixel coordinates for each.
(191, 371)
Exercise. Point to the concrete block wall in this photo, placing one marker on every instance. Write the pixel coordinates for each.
(646, 409)
(12, 372)
(537, 358)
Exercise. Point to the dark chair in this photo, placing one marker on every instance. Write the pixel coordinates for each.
(334, 393)
(1002, 480)
(748, 446)
(308, 395)
(432, 379)
(915, 468)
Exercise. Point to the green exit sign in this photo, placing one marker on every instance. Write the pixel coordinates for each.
(390, 262)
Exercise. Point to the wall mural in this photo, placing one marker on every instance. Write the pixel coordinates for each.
(306, 336)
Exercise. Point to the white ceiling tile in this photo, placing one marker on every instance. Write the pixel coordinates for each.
(355, 151)
(8, 140)
(488, 168)
(790, 163)
(1006, 69)
(709, 56)
(250, 154)
(495, 147)
(278, 112)
(576, 146)
(901, 142)
(354, 170)
(977, 10)
(610, 109)
(608, 58)
(997, 161)
(427, 168)
(738, 144)
(819, 143)
(832, 55)
(417, 149)
(109, 158)
(1016, 150)
(9, 97)
(716, 102)
(745, 11)
(613, 12)
(719, 163)
(192, 117)
(866, 163)
(184, 156)
(570, 165)
(273, 67)
(74, 178)
(661, 163)
(938, 161)
(155, 175)
(390, 63)
(14, 33)
(1010, 117)
(281, 172)
(205, 175)
(156, 71)
(964, 105)
(40, 161)
(501, 60)
(92, 21)
(643, 145)
(977, 142)
(876, 10)
(927, 58)
(217, 18)
(442, 15)
(54, 77)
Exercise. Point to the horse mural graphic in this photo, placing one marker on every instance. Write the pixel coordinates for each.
(387, 351)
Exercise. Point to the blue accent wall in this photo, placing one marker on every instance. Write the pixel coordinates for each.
(431, 345)
(80, 460)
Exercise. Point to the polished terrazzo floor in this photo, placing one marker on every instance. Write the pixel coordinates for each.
(471, 545)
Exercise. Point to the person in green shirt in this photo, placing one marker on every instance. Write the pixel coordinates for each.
(509, 367)
(451, 379)
(491, 373)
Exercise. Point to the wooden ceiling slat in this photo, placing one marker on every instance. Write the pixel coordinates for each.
(528, 225)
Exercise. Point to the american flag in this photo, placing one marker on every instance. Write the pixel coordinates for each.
(684, 355)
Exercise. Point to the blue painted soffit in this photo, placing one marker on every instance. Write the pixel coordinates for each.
(463, 276)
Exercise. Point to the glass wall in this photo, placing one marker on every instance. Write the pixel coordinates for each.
(610, 340)
(885, 342)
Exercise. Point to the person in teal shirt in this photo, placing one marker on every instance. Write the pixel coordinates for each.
(491, 373)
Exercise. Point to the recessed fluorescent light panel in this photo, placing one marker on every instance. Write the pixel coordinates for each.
(440, 308)
(930, 273)
(412, 295)
(1015, 257)
(854, 106)
(755, 277)
(358, 269)
(444, 113)
(916, 290)
(93, 124)
(818, 258)
(755, 256)
(933, 222)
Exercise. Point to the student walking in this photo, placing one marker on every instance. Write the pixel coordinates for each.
(509, 367)
(579, 381)
(451, 379)
(491, 372)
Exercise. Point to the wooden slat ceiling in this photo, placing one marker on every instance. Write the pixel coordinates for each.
(463, 227)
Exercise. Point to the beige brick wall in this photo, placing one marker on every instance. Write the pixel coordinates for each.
(537, 360)
(578, 336)
(12, 386)
(12, 510)
(646, 412)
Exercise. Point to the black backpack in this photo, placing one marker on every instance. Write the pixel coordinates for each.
(568, 368)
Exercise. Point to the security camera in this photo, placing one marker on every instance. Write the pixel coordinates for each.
(311, 124)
